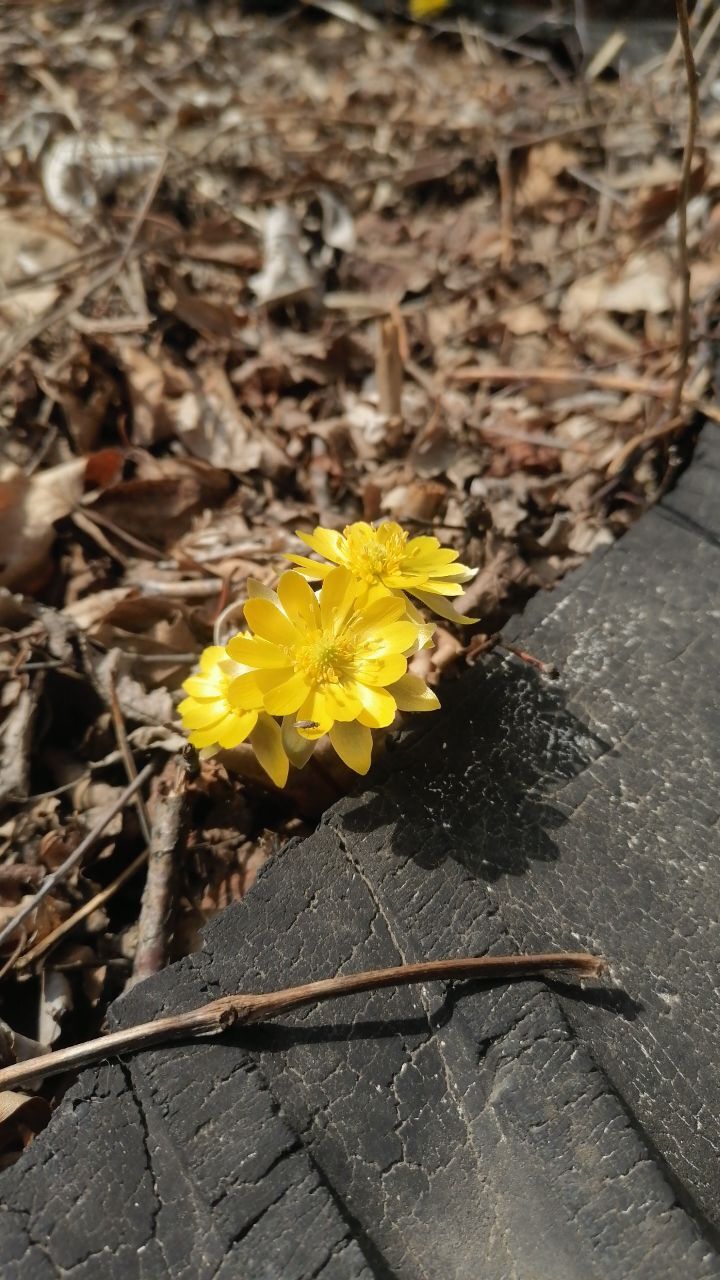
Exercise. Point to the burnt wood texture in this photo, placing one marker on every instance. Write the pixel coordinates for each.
(527, 1130)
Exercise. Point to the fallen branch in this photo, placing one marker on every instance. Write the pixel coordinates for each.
(502, 374)
(603, 381)
(73, 858)
(243, 1010)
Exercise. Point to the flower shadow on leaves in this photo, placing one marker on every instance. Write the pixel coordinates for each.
(481, 782)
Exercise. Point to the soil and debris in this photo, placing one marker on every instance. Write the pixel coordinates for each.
(263, 271)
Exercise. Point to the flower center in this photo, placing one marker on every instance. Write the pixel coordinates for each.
(326, 659)
(372, 560)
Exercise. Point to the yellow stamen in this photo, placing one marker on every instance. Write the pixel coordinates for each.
(371, 559)
(325, 659)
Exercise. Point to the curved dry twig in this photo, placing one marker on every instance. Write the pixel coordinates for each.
(243, 1010)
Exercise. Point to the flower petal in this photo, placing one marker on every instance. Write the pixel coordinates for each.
(326, 542)
(426, 630)
(266, 741)
(270, 623)
(200, 715)
(398, 637)
(381, 671)
(442, 607)
(314, 716)
(341, 702)
(311, 568)
(257, 590)
(298, 600)
(378, 706)
(432, 586)
(298, 750)
(429, 556)
(453, 573)
(287, 697)
(364, 532)
(380, 613)
(412, 694)
(353, 743)
(247, 692)
(205, 738)
(201, 687)
(210, 657)
(255, 652)
(235, 728)
(338, 594)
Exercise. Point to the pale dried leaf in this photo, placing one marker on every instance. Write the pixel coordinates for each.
(56, 1002)
(645, 283)
(28, 248)
(29, 505)
(286, 275)
(338, 227)
(213, 428)
(22, 1116)
(76, 171)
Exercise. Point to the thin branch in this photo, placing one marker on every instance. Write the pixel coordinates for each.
(51, 939)
(243, 1010)
(545, 668)
(124, 748)
(142, 213)
(504, 375)
(74, 858)
(684, 196)
(505, 183)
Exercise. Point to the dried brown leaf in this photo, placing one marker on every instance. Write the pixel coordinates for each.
(29, 506)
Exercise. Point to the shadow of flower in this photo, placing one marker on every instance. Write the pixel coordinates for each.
(483, 782)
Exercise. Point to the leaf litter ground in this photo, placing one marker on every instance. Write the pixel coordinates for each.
(262, 272)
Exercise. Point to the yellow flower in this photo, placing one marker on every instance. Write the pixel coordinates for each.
(216, 720)
(386, 557)
(426, 8)
(333, 664)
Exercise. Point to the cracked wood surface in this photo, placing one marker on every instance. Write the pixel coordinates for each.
(516, 1131)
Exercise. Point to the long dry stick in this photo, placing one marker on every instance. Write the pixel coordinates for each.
(124, 747)
(683, 263)
(73, 858)
(503, 374)
(243, 1010)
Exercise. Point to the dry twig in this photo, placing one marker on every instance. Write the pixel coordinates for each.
(684, 196)
(243, 1010)
(126, 752)
(98, 900)
(502, 374)
(74, 858)
(545, 668)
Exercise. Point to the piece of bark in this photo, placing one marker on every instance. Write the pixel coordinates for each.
(169, 834)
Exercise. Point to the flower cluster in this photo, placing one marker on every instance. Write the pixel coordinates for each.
(328, 661)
